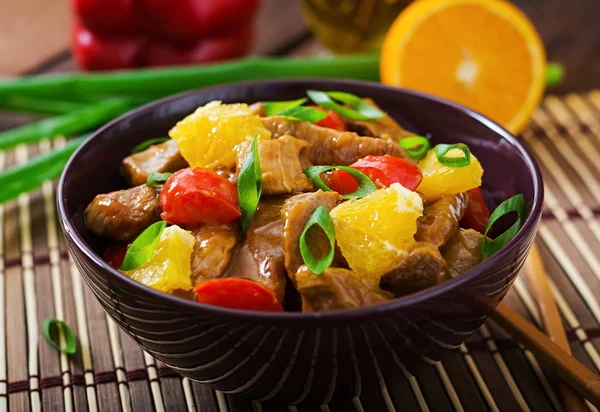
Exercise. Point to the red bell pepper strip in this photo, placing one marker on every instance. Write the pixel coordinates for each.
(382, 170)
(342, 182)
(477, 214)
(115, 254)
(237, 293)
(332, 121)
(93, 52)
(194, 196)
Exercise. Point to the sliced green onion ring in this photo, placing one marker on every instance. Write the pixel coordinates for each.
(142, 248)
(365, 185)
(441, 150)
(274, 108)
(416, 146)
(324, 100)
(309, 114)
(513, 204)
(321, 218)
(51, 328)
(156, 178)
(249, 185)
(147, 143)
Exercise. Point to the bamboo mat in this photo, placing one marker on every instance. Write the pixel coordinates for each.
(490, 372)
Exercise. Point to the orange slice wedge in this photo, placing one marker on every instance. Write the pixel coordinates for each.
(484, 54)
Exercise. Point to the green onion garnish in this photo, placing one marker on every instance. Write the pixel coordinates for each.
(321, 218)
(441, 150)
(364, 111)
(156, 178)
(147, 143)
(274, 108)
(415, 146)
(142, 248)
(555, 74)
(249, 185)
(514, 204)
(365, 185)
(51, 328)
(309, 114)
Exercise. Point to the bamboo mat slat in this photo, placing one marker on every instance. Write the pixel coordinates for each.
(489, 372)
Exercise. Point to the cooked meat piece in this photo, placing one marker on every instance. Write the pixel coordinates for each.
(124, 214)
(336, 289)
(463, 251)
(258, 109)
(164, 157)
(227, 173)
(260, 256)
(422, 268)
(332, 147)
(281, 162)
(295, 213)
(385, 127)
(213, 250)
(440, 219)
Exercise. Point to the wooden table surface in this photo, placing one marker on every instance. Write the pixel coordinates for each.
(490, 372)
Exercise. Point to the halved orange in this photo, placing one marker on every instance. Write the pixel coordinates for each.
(484, 54)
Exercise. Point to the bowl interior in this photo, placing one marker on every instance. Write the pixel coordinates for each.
(94, 168)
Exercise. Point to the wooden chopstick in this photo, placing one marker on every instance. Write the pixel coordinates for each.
(569, 369)
(538, 282)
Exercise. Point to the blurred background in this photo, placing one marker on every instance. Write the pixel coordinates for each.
(36, 34)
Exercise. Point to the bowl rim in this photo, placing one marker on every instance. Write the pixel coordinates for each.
(300, 317)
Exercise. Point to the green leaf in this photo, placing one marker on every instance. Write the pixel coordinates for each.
(147, 143)
(365, 185)
(142, 248)
(514, 204)
(323, 99)
(55, 329)
(321, 218)
(156, 178)
(309, 114)
(275, 108)
(555, 74)
(416, 146)
(249, 185)
(441, 150)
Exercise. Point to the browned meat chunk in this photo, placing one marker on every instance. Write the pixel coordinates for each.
(281, 162)
(463, 251)
(258, 109)
(385, 127)
(213, 250)
(124, 214)
(164, 157)
(295, 213)
(332, 147)
(336, 289)
(422, 268)
(260, 256)
(440, 219)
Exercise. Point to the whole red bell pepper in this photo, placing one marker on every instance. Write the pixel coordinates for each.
(118, 34)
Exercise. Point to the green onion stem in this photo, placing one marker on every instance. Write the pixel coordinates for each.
(21, 179)
(68, 124)
(43, 105)
(162, 82)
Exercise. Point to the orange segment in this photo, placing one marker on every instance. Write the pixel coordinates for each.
(484, 54)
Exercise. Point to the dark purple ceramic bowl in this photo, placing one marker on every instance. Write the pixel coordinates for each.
(301, 357)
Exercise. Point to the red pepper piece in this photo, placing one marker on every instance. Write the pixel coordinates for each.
(93, 52)
(332, 121)
(115, 254)
(191, 20)
(385, 170)
(237, 293)
(111, 17)
(477, 214)
(229, 46)
(194, 196)
(342, 182)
